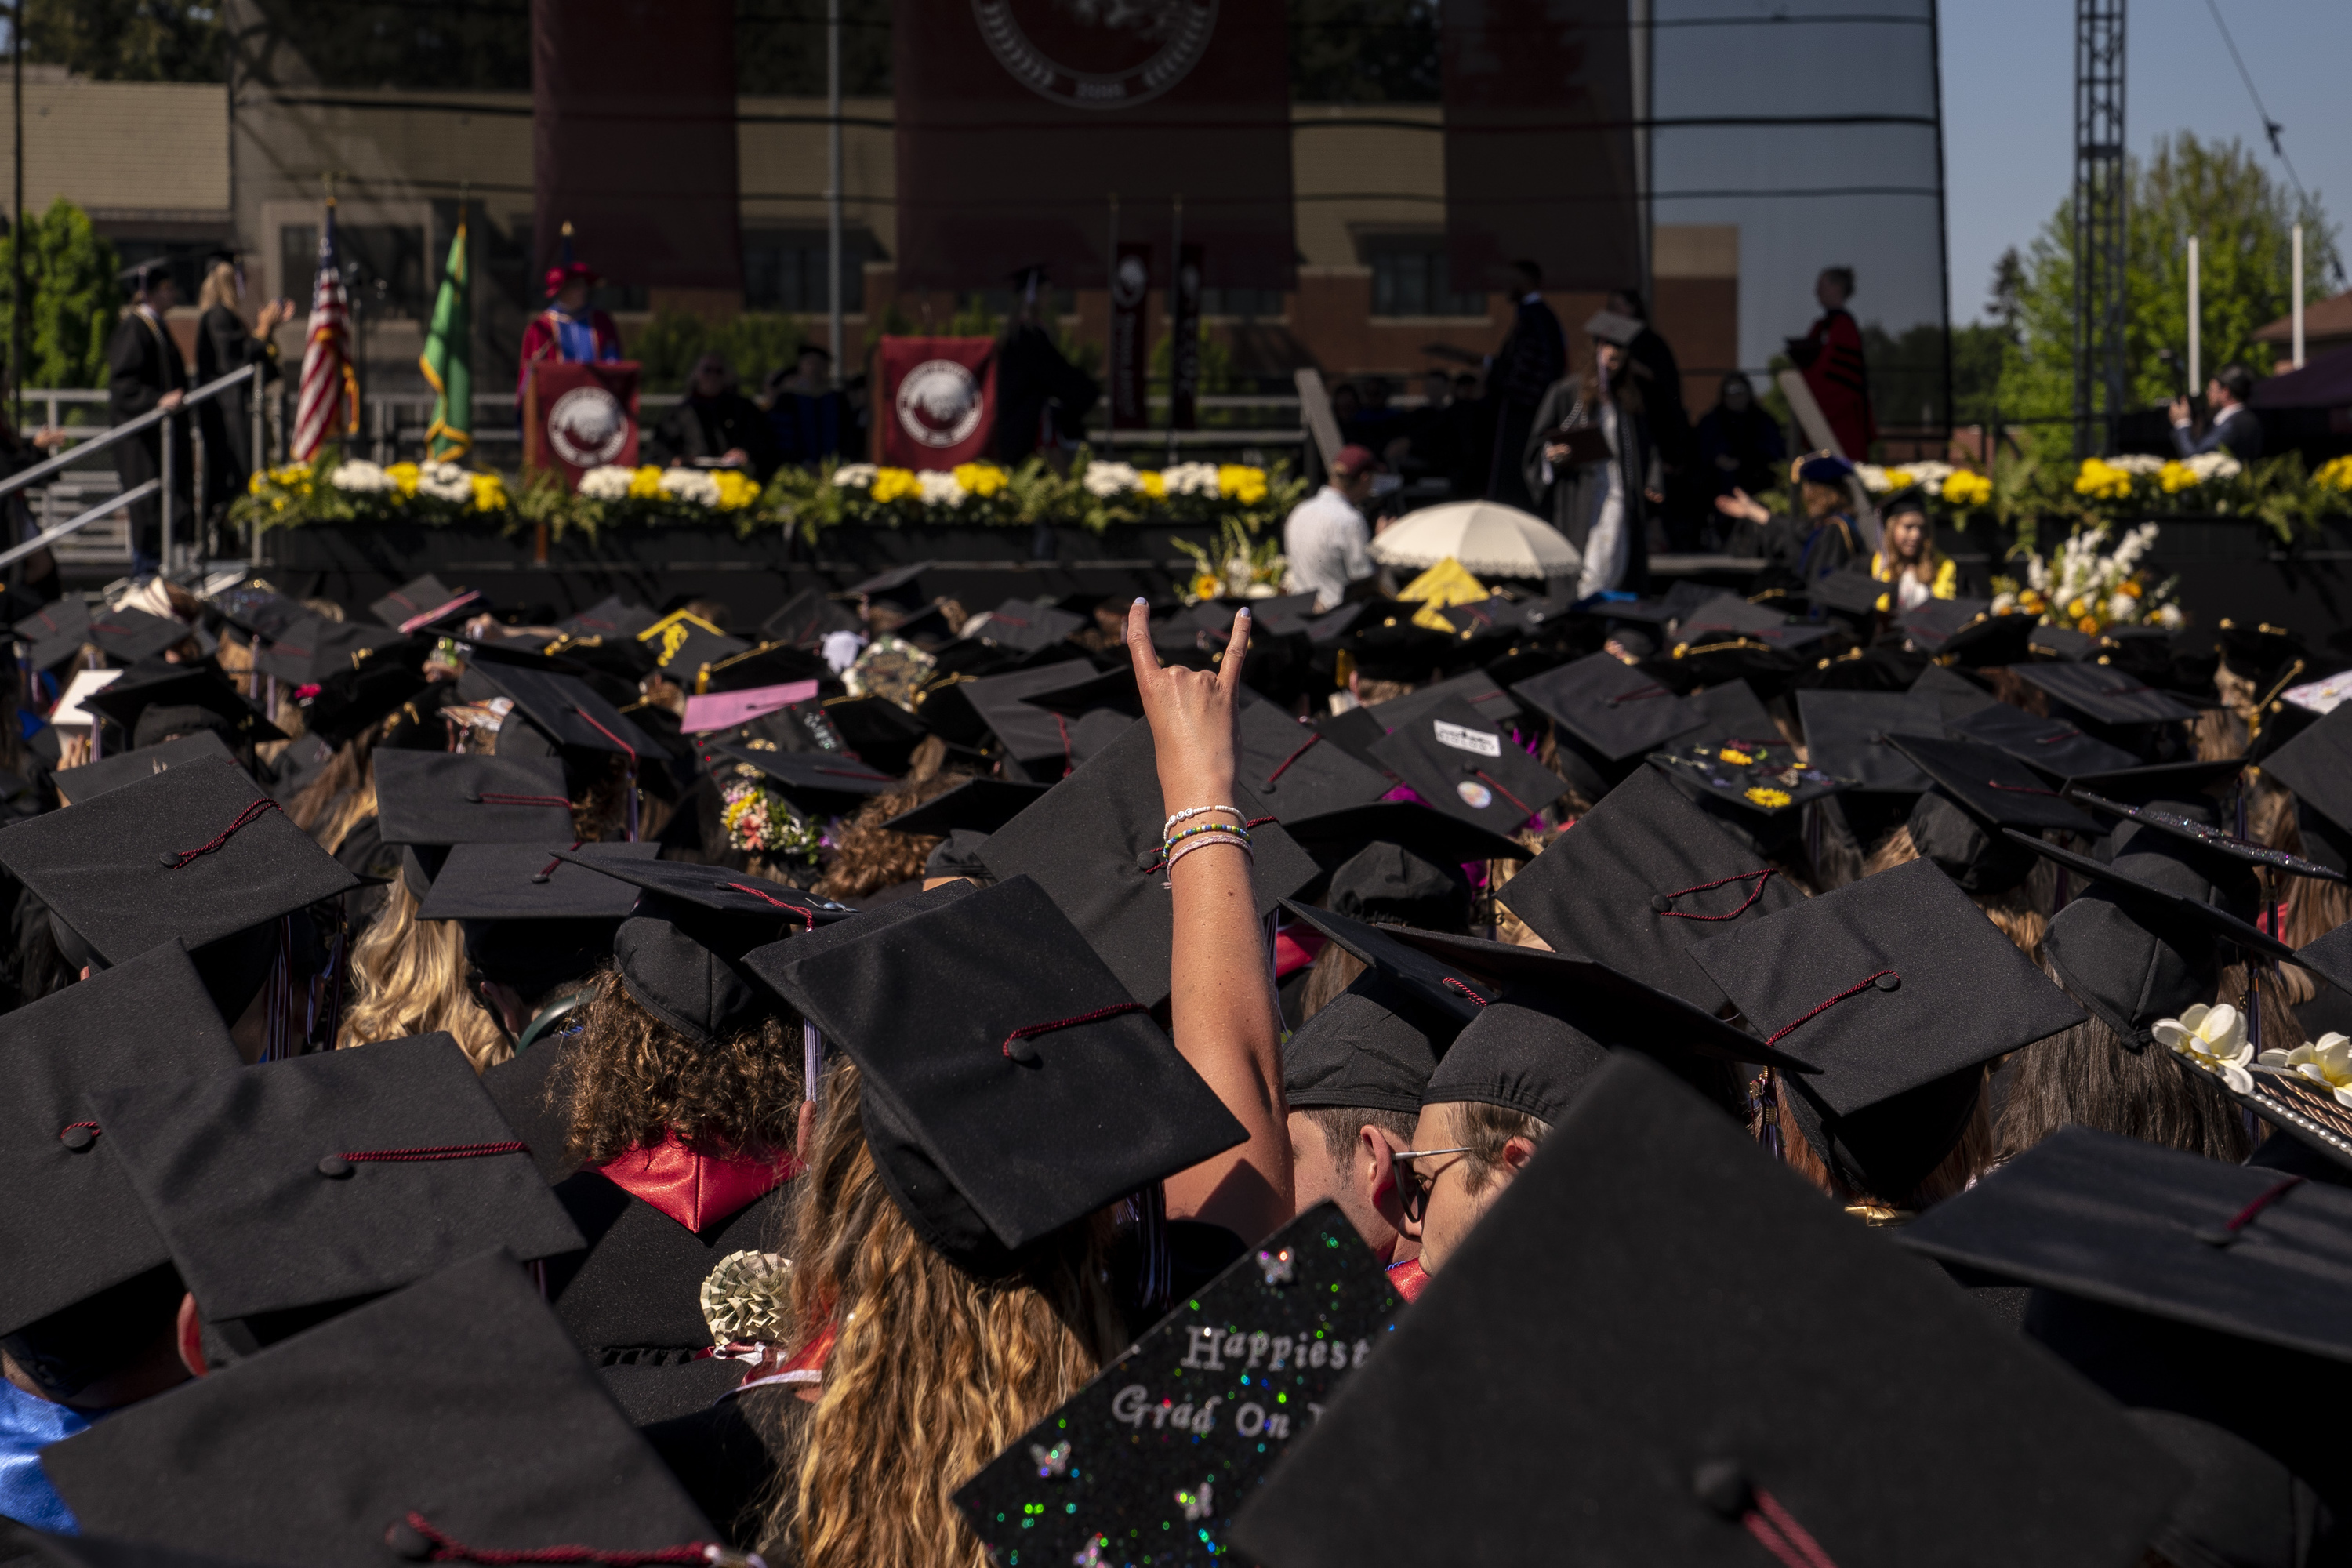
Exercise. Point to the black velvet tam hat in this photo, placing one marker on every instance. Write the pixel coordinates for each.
(92, 779)
(1598, 889)
(826, 784)
(1390, 883)
(1896, 989)
(1026, 625)
(2317, 766)
(301, 1187)
(2052, 746)
(1468, 767)
(73, 1226)
(979, 805)
(1611, 708)
(197, 686)
(455, 1419)
(1297, 771)
(1849, 734)
(449, 797)
(1370, 1047)
(54, 633)
(1625, 1280)
(1011, 1084)
(565, 711)
(681, 954)
(127, 636)
(1096, 844)
(426, 596)
(1336, 837)
(2105, 695)
(1152, 1459)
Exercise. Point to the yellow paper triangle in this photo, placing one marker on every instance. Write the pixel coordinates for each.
(1427, 616)
(1446, 584)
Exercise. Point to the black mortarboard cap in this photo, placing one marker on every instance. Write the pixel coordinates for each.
(2317, 766)
(421, 596)
(1625, 1278)
(803, 619)
(2205, 838)
(1469, 767)
(979, 805)
(2051, 745)
(2103, 694)
(901, 586)
(329, 1178)
(1027, 624)
(1990, 641)
(1728, 710)
(1521, 1054)
(2063, 644)
(1851, 592)
(1927, 626)
(1388, 882)
(1895, 988)
(459, 1402)
(1012, 1085)
(565, 710)
(609, 618)
(1751, 777)
(1370, 1047)
(92, 779)
(54, 633)
(198, 686)
(198, 853)
(352, 645)
(73, 1226)
(530, 882)
(1494, 704)
(1117, 1476)
(1954, 694)
(2140, 880)
(767, 664)
(287, 650)
(455, 797)
(1597, 889)
(2182, 782)
(1113, 690)
(254, 607)
(128, 635)
(348, 701)
(2259, 651)
(1386, 644)
(969, 712)
(1095, 844)
(1614, 710)
(822, 783)
(1992, 786)
(883, 734)
(1296, 770)
(23, 1544)
(1336, 836)
(2125, 951)
(1848, 735)
(684, 645)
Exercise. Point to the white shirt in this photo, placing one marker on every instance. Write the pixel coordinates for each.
(1605, 542)
(1326, 540)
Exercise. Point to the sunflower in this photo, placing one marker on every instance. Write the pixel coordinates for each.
(1770, 799)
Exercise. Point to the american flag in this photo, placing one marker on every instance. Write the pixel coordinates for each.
(327, 384)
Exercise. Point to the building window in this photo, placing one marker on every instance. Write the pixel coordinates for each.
(784, 269)
(382, 265)
(1410, 278)
(1246, 303)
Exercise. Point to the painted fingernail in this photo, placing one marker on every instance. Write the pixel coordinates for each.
(1138, 598)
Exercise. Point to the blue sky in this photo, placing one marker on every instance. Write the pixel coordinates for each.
(2009, 76)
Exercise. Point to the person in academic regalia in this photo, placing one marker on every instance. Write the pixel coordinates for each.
(1830, 355)
(145, 372)
(714, 424)
(1533, 356)
(567, 330)
(1603, 508)
(1798, 551)
(1041, 399)
(223, 344)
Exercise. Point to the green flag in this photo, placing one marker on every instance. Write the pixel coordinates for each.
(448, 360)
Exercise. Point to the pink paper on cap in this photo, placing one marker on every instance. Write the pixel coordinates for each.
(725, 709)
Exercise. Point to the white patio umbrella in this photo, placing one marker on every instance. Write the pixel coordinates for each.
(1489, 538)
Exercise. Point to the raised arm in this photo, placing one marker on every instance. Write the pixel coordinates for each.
(1222, 1008)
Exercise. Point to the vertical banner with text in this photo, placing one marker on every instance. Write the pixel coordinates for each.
(1184, 343)
(1131, 338)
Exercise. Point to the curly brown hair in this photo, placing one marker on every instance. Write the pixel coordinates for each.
(633, 1079)
(869, 857)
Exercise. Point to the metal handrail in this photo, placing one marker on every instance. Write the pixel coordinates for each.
(121, 432)
(112, 504)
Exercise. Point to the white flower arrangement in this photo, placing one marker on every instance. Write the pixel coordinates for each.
(1108, 479)
(939, 489)
(1190, 479)
(610, 482)
(2211, 466)
(2087, 589)
(2214, 1038)
(1927, 473)
(691, 485)
(360, 476)
(445, 481)
(2327, 1061)
(2137, 464)
(855, 476)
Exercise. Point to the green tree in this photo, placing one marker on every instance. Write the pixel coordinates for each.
(72, 300)
(2240, 218)
(753, 344)
(127, 40)
(1363, 51)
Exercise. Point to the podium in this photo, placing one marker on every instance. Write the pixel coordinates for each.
(578, 416)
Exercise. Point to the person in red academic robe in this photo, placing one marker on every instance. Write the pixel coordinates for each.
(568, 330)
(1830, 355)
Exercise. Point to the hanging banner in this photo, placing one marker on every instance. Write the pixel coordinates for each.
(1539, 142)
(1019, 121)
(1184, 344)
(937, 406)
(1131, 339)
(578, 416)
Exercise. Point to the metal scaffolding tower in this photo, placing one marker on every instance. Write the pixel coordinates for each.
(2099, 219)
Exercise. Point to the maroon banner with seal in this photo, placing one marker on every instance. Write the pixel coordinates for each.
(1019, 121)
(580, 416)
(1131, 339)
(937, 406)
(1539, 142)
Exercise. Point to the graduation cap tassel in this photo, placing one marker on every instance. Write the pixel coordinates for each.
(277, 1003)
(632, 791)
(812, 1060)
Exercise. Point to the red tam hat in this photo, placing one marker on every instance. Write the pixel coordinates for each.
(557, 277)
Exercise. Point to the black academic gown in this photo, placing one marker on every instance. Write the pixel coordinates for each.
(142, 364)
(1040, 395)
(1571, 498)
(712, 426)
(223, 344)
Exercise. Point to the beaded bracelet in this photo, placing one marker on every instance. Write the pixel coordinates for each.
(1184, 833)
(1199, 811)
(1184, 849)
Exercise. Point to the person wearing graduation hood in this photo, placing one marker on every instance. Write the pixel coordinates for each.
(1014, 1169)
(1799, 551)
(226, 344)
(1907, 557)
(144, 373)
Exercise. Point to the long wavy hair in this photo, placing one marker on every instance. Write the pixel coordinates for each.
(408, 977)
(633, 1079)
(933, 1372)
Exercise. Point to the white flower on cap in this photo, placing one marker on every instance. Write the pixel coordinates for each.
(2328, 1060)
(2214, 1038)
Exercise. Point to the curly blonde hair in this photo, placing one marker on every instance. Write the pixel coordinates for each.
(953, 1368)
(633, 1079)
(408, 977)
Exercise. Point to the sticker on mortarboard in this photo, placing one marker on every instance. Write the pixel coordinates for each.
(1152, 1460)
(1463, 739)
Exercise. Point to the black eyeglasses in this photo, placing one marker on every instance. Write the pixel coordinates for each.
(1412, 1186)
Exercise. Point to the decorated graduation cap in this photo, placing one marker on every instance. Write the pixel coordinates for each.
(561, 712)
(78, 784)
(54, 633)
(1895, 989)
(1011, 1084)
(1096, 844)
(86, 1269)
(423, 601)
(2105, 695)
(1466, 765)
(680, 954)
(825, 783)
(1849, 734)
(1609, 710)
(2317, 766)
(181, 700)
(453, 797)
(2052, 746)
(1625, 1280)
(1745, 777)
(979, 805)
(683, 644)
(1160, 1451)
(1640, 878)
(1298, 771)
(198, 853)
(452, 1418)
(2203, 839)
(1337, 837)
(128, 635)
(1370, 1047)
(296, 1188)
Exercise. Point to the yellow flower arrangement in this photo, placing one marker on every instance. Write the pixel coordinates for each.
(646, 484)
(982, 479)
(490, 493)
(1155, 484)
(2176, 476)
(2101, 480)
(1204, 586)
(894, 484)
(1738, 759)
(2031, 602)
(1770, 799)
(1900, 479)
(736, 491)
(1247, 485)
(1966, 487)
(403, 474)
(2336, 473)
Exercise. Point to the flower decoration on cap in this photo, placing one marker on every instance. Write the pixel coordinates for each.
(748, 1296)
(2214, 1038)
(1772, 798)
(2328, 1061)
